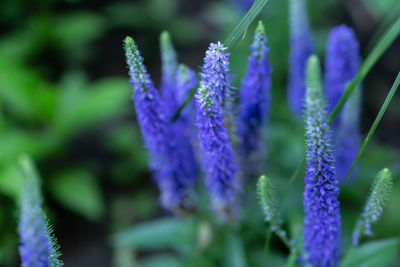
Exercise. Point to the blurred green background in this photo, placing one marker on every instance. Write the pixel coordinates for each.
(65, 100)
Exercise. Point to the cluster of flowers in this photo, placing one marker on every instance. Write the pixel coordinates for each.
(216, 115)
(228, 124)
(38, 247)
(230, 144)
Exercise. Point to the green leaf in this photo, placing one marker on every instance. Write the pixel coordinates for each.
(25, 92)
(10, 181)
(376, 253)
(378, 118)
(13, 142)
(244, 23)
(80, 108)
(75, 29)
(162, 233)
(163, 260)
(78, 191)
(234, 251)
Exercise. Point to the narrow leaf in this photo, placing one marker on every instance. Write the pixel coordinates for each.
(366, 66)
(241, 27)
(376, 253)
(375, 124)
(234, 252)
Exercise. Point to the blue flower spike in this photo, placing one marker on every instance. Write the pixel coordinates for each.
(254, 103)
(301, 47)
(171, 157)
(321, 206)
(38, 247)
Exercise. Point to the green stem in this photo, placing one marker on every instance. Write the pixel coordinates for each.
(296, 172)
(375, 124)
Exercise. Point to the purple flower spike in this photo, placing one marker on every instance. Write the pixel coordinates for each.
(301, 47)
(342, 63)
(171, 157)
(217, 153)
(321, 205)
(254, 101)
(215, 73)
(38, 247)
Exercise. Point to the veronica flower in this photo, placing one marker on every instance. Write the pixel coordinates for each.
(171, 160)
(301, 47)
(321, 205)
(266, 197)
(217, 152)
(380, 191)
(342, 63)
(254, 100)
(168, 73)
(215, 73)
(38, 247)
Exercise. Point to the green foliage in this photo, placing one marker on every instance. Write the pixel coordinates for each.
(162, 233)
(240, 30)
(371, 254)
(79, 191)
(234, 252)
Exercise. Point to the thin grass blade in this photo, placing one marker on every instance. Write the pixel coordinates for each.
(378, 118)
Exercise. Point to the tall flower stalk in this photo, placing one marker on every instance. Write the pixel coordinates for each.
(217, 152)
(380, 191)
(254, 102)
(342, 63)
(266, 197)
(38, 246)
(215, 73)
(321, 206)
(171, 158)
(301, 47)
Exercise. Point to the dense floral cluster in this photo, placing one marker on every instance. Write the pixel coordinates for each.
(321, 205)
(254, 101)
(342, 63)
(172, 159)
(301, 47)
(217, 152)
(37, 247)
(215, 73)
